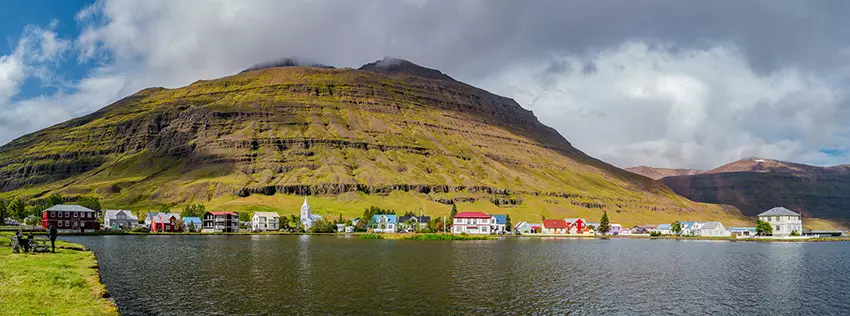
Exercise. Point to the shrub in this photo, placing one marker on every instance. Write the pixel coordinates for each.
(140, 229)
(654, 234)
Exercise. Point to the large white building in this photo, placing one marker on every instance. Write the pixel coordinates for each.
(265, 221)
(475, 223)
(783, 221)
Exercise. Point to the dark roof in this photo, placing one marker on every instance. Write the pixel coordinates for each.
(779, 211)
(421, 219)
(69, 208)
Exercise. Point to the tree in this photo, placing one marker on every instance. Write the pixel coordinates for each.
(164, 208)
(193, 210)
(795, 233)
(142, 216)
(676, 227)
(89, 202)
(54, 199)
(17, 209)
(454, 211)
(763, 228)
(244, 217)
(508, 224)
(604, 224)
(3, 212)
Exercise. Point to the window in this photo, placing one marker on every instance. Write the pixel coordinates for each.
(67, 215)
(777, 228)
(59, 224)
(52, 214)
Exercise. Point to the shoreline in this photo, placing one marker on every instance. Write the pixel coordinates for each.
(67, 282)
(413, 236)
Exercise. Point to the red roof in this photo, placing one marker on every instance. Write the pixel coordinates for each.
(555, 223)
(223, 213)
(472, 215)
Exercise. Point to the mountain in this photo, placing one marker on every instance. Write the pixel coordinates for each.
(658, 173)
(391, 134)
(755, 185)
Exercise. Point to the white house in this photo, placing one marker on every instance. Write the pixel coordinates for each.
(663, 229)
(476, 223)
(384, 223)
(712, 229)
(265, 221)
(498, 223)
(119, 219)
(783, 220)
(523, 228)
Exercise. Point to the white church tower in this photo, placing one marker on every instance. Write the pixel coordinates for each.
(307, 218)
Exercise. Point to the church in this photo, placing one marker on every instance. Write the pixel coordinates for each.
(307, 218)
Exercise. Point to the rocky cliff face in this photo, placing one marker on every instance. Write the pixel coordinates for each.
(390, 126)
(755, 185)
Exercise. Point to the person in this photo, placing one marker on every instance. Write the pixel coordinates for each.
(16, 247)
(51, 233)
(24, 242)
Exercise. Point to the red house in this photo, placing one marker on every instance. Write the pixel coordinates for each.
(555, 226)
(70, 218)
(577, 225)
(166, 223)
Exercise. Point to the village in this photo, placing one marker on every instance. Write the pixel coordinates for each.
(777, 222)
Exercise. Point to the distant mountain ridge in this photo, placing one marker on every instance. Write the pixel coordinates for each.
(658, 173)
(755, 185)
(391, 134)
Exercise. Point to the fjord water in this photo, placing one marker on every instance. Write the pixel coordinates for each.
(282, 275)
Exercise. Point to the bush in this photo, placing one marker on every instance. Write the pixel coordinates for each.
(371, 236)
(654, 234)
(140, 229)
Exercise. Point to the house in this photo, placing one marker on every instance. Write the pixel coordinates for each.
(576, 225)
(498, 224)
(555, 227)
(643, 229)
(663, 229)
(265, 221)
(119, 219)
(221, 222)
(523, 228)
(412, 223)
(151, 215)
(783, 220)
(742, 231)
(73, 218)
(712, 229)
(192, 224)
(477, 223)
(535, 228)
(384, 223)
(307, 217)
(340, 228)
(166, 223)
(688, 228)
(616, 229)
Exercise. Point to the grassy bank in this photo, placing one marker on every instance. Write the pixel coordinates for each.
(61, 283)
(425, 237)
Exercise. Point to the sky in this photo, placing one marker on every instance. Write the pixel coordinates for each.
(684, 84)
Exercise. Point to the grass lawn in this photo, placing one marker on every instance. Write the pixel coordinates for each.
(61, 283)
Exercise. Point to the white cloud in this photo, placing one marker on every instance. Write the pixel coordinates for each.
(648, 105)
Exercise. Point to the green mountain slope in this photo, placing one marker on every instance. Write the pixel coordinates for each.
(391, 134)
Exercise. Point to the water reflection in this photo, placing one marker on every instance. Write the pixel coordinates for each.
(282, 275)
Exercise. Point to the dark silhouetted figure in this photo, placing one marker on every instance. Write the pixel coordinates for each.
(51, 233)
(17, 244)
(25, 243)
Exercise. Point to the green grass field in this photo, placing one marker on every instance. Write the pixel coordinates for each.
(61, 283)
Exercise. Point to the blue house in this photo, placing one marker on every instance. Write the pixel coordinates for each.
(384, 223)
(193, 223)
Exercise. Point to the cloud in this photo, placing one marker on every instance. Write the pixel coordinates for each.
(647, 104)
(673, 83)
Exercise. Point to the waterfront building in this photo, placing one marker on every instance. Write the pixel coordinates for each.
(165, 222)
(576, 225)
(523, 228)
(193, 224)
(498, 224)
(477, 223)
(307, 217)
(412, 223)
(72, 218)
(712, 229)
(384, 223)
(742, 231)
(688, 228)
(643, 229)
(265, 221)
(221, 222)
(555, 227)
(664, 229)
(615, 229)
(783, 220)
(119, 219)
